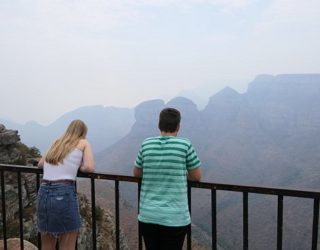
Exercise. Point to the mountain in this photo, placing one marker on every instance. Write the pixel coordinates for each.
(268, 136)
(146, 115)
(106, 125)
(271, 130)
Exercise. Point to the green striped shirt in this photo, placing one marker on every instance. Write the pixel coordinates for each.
(164, 161)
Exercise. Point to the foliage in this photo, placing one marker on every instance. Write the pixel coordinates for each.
(29, 156)
(99, 213)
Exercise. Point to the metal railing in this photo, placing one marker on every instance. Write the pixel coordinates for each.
(213, 187)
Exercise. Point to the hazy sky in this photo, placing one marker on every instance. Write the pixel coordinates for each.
(58, 55)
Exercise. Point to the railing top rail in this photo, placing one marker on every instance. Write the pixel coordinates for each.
(303, 193)
(205, 185)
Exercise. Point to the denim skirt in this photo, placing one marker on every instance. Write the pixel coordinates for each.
(57, 209)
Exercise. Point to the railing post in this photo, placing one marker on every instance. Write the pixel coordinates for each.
(315, 224)
(214, 218)
(189, 239)
(117, 212)
(3, 202)
(245, 220)
(93, 212)
(280, 222)
(38, 186)
(20, 210)
(139, 229)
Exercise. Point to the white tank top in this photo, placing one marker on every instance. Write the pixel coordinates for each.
(67, 170)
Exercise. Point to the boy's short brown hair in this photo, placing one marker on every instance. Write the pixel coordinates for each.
(169, 120)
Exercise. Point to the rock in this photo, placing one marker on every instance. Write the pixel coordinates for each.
(148, 111)
(14, 244)
(8, 145)
(2, 127)
(9, 137)
(9, 155)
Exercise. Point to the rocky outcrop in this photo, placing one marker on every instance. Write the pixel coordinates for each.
(10, 154)
(8, 145)
(8, 137)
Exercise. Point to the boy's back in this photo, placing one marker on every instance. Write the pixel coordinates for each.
(165, 163)
(165, 160)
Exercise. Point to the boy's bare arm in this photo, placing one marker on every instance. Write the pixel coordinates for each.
(194, 174)
(137, 172)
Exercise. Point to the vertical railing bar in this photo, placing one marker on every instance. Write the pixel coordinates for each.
(189, 228)
(38, 181)
(214, 218)
(280, 222)
(315, 224)
(117, 207)
(3, 202)
(76, 190)
(93, 212)
(38, 186)
(245, 221)
(20, 210)
(139, 229)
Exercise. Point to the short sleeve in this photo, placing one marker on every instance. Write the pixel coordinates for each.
(139, 160)
(192, 160)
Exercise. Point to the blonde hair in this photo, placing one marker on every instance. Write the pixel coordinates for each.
(76, 131)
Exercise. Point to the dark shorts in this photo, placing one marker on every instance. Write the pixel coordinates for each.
(158, 237)
(58, 209)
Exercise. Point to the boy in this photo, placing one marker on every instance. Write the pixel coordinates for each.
(165, 163)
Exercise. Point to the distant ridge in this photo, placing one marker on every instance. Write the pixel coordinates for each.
(308, 82)
(106, 126)
(273, 110)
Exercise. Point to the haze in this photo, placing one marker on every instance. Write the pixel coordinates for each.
(56, 56)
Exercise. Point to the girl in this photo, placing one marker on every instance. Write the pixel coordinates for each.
(57, 204)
